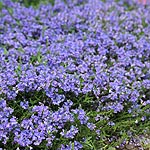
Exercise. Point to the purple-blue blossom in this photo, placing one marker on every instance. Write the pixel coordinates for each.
(61, 63)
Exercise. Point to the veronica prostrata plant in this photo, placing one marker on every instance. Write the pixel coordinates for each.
(74, 74)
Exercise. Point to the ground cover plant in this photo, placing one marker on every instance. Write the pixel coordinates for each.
(74, 74)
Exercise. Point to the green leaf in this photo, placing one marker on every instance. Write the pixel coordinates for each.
(72, 146)
(111, 148)
(5, 51)
(20, 49)
(10, 10)
(18, 70)
(1, 6)
(144, 23)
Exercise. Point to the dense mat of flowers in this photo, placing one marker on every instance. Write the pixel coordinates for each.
(68, 71)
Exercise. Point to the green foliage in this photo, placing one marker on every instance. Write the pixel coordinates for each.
(124, 122)
(1, 6)
(34, 3)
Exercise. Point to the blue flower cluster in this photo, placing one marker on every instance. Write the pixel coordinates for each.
(59, 62)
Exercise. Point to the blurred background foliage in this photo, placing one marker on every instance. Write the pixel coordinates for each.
(34, 3)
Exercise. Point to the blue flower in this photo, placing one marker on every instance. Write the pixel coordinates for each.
(24, 105)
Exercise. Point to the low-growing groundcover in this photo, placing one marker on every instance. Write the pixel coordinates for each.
(74, 74)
